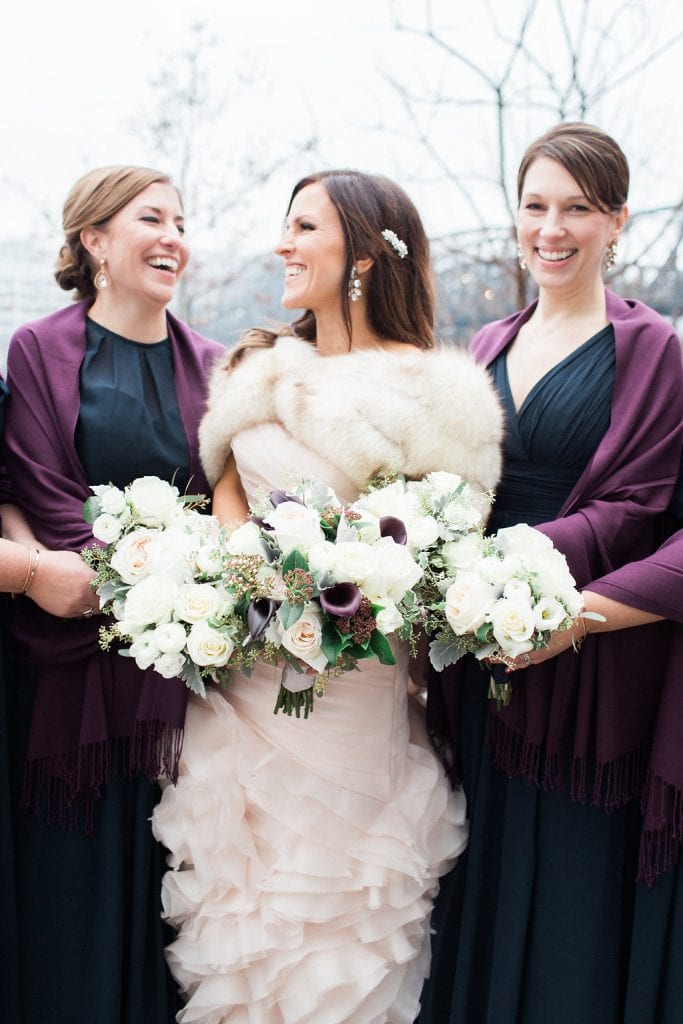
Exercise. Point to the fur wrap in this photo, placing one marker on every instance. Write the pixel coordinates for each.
(367, 412)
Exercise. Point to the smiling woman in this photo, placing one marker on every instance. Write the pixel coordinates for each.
(106, 390)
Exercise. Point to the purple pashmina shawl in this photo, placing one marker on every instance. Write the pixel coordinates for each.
(95, 713)
(584, 724)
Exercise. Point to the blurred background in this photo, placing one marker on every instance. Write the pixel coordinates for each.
(237, 101)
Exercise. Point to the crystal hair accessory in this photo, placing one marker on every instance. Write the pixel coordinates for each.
(397, 243)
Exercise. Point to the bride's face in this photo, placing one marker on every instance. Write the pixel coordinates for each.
(314, 252)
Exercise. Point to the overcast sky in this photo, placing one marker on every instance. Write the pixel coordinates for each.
(74, 76)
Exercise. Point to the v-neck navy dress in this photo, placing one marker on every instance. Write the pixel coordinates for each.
(541, 921)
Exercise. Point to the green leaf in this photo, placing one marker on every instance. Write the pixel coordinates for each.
(381, 647)
(484, 633)
(288, 613)
(332, 644)
(192, 678)
(92, 509)
(294, 559)
(444, 652)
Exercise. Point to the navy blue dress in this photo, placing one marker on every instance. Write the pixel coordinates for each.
(541, 921)
(91, 939)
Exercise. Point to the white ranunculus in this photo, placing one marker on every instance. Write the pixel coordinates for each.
(205, 526)
(522, 540)
(207, 646)
(304, 637)
(144, 650)
(389, 619)
(549, 613)
(155, 501)
(441, 483)
(461, 515)
(423, 531)
(552, 574)
(468, 602)
(169, 637)
(169, 665)
(392, 500)
(245, 540)
(395, 572)
(150, 601)
(295, 526)
(197, 602)
(112, 499)
(321, 557)
(463, 553)
(513, 624)
(517, 590)
(131, 557)
(498, 571)
(208, 559)
(106, 528)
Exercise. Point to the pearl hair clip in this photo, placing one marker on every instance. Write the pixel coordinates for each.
(397, 243)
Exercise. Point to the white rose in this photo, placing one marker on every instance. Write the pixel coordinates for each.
(205, 526)
(498, 571)
(169, 665)
(513, 624)
(463, 553)
(208, 560)
(155, 501)
(295, 526)
(197, 602)
(172, 553)
(169, 637)
(552, 573)
(517, 590)
(522, 540)
(389, 619)
(144, 650)
(106, 528)
(245, 540)
(207, 646)
(548, 614)
(131, 558)
(149, 601)
(468, 602)
(441, 484)
(321, 557)
(392, 500)
(395, 572)
(423, 531)
(304, 637)
(112, 499)
(462, 516)
(353, 561)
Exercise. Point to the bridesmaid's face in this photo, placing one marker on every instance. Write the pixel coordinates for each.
(144, 246)
(314, 251)
(563, 236)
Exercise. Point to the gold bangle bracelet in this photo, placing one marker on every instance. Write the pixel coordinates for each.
(32, 568)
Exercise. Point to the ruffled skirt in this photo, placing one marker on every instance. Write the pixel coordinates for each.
(301, 892)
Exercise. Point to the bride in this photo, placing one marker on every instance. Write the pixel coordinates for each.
(305, 854)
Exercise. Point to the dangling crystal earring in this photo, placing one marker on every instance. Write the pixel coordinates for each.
(520, 258)
(355, 287)
(611, 255)
(101, 278)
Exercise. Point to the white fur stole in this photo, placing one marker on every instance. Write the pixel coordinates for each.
(369, 412)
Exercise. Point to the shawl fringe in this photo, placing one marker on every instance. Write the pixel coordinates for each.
(660, 842)
(64, 788)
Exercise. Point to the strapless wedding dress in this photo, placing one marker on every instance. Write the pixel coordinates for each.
(305, 854)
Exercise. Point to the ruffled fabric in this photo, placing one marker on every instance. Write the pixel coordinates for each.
(301, 895)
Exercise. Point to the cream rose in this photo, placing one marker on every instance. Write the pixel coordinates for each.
(389, 619)
(209, 647)
(468, 602)
(463, 553)
(295, 526)
(513, 624)
(155, 501)
(353, 561)
(423, 531)
(522, 540)
(106, 528)
(304, 637)
(131, 557)
(197, 602)
(150, 601)
(245, 540)
(395, 572)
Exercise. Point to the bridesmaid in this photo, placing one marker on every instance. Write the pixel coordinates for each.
(106, 390)
(534, 924)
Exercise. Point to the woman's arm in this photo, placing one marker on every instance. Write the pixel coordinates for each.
(229, 500)
(58, 581)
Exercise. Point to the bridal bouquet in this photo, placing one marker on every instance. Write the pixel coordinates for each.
(160, 574)
(498, 596)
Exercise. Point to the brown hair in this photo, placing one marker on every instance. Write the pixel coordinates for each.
(399, 292)
(96, 197)
(591, 156)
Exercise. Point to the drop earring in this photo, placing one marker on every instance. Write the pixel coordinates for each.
(101, 278)
(520, 258)
(355, 287)
(611, 255)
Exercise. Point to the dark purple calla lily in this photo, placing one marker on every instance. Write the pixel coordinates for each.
(259, 615)
(342, 600)
(277, 497)
(391, 526)
(260, 521)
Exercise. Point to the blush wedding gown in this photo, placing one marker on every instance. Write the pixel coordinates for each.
(305, 854)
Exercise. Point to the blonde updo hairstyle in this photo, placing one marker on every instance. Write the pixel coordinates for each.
(96, 197)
